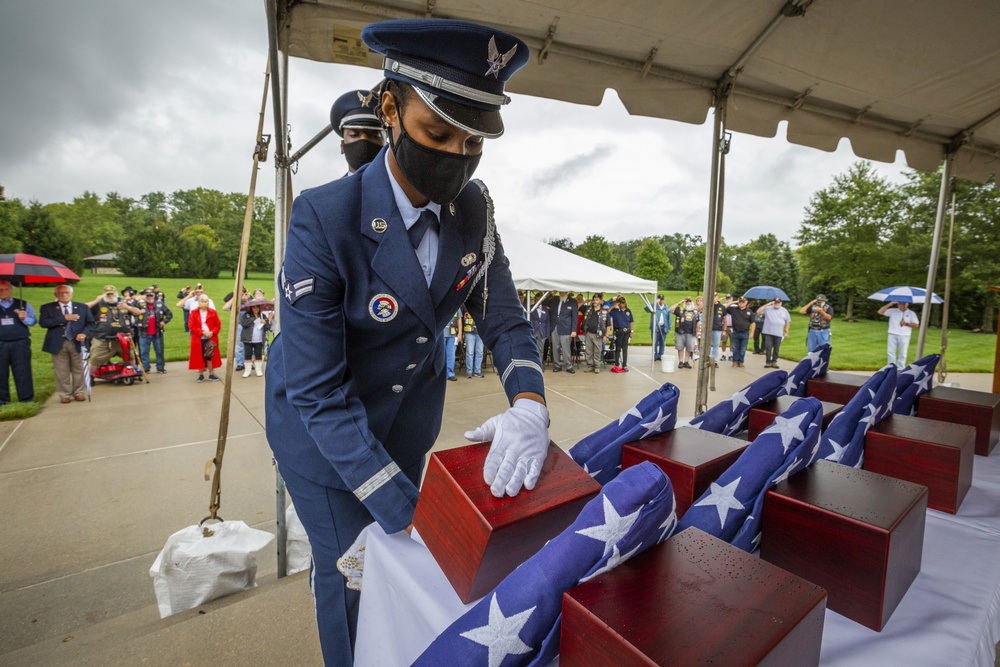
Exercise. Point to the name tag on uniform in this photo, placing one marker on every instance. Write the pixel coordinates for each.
(6, 321)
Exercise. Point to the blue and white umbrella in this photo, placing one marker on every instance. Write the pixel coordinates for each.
(904, 295)
(765, 292)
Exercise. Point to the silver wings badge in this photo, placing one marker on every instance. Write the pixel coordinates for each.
(495, 60)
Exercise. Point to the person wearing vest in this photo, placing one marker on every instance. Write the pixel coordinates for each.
(595, 329)
(153, 317)
(452, 337)
(111, 317)
(67, 325)
(473, 346)
(16, 315)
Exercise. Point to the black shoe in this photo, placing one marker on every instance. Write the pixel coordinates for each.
(453, 378)
(570, 370)
(468, 377)
(201, 378)
(556, 369)
(240, 368)
(161, 370)
(656, 358)
(478, 375)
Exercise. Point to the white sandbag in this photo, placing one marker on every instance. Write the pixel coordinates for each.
(297, 545)
(193, 569)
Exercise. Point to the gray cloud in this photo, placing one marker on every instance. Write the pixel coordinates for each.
(569, 170)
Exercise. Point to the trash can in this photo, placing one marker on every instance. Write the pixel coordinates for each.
(668, 363)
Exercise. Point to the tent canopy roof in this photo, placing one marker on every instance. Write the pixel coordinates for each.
(921, 76)
(539, 266)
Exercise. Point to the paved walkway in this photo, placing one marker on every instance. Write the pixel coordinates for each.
(90, 492)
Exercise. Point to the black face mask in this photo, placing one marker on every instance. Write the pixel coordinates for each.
(359, 153)
(438, 175)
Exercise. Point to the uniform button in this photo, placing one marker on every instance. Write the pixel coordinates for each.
(397, 388)
(411, 367)
(421, 340)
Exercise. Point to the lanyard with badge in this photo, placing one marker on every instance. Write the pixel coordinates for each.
(8, 316)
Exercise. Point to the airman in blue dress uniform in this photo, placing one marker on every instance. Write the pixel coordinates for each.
(376, 265)
(354, 120)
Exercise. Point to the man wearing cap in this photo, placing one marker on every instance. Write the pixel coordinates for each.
(563, 332)
(686, 319)
(353, 119)
(777, 322)
(112, 316)
(741, 322)
(659, 325)
(153, 317)
(375, 266)
(820, 313)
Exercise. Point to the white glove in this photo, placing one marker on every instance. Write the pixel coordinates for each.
(520, 440)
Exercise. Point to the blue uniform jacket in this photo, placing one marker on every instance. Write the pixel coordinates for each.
(359, 392)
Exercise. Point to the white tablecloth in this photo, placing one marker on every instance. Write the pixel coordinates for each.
(949, 616)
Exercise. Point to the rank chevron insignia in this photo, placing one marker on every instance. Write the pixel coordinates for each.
(495, 60)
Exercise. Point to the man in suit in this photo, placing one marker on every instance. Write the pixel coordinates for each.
(376, 264)
(563, 332)
(67, 324)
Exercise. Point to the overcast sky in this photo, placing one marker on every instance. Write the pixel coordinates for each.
(133, 97)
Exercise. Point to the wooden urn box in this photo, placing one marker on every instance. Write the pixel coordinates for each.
(478, 539)
(690, 457)
(835, 387)
(924, 451)
(980, 409)
(762, 415)
(856, 533)
(692, 600)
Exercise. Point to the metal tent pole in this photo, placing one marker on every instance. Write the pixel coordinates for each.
(949, 164)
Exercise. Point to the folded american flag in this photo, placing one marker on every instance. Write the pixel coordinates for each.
(518, 623)
(731, 508)
(812, 365)
(729, 416)
(843, 441)
(600, 453)
(911, 382)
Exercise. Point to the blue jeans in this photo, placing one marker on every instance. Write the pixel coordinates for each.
(449, 354)
(716, 339)
(817, 338)
(659, 341)
(739, 341)
(473, 354)
(239, 355)
(157, 340)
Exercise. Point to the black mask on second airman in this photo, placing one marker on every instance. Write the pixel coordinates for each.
(359, 153)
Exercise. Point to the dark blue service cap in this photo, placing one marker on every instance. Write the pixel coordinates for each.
(355, 110)
(459, 69)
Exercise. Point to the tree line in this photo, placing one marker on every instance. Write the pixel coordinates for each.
(858, 235)
(187, 234)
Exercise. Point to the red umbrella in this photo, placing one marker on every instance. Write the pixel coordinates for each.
(31, 270)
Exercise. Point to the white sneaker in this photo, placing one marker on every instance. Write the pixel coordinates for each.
(246, 372)
(258, 370)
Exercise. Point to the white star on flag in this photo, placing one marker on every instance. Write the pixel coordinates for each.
(838, 451)
(869, 417)
(500, 636)
(614, 527)
(656, 425)
(616, 559)
(634, 411)
(724, 499)
(913, 370)
(592, 474)
(668, 526)
(788, 471)
(788, 429)
(925, 383)
(791, 385)
(740, 397)
(815, 359)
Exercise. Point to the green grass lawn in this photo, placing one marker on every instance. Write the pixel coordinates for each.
(176, 342)
(856, 345)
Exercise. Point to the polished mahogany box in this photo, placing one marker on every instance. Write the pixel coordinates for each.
(980, 409)
(762, 415)
(835, 387)
(692, 600)
(856, 533)
(690, 457)
(478, 539)
(924, 451)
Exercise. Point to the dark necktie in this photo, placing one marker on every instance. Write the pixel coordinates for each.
(427, 220)
(66, 311)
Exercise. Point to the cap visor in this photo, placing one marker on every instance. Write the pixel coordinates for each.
(480, 122)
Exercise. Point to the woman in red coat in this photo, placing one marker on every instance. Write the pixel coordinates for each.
(205, 326)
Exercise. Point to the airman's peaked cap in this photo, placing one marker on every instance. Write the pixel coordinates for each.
(355, 109)
(459, 69)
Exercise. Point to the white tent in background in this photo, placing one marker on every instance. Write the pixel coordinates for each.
(539, 266)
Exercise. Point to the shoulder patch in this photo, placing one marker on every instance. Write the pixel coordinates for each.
(294, 291)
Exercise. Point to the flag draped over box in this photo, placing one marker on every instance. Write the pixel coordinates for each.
(518, 623)
(843, 441)
(730, 415)
(912, 381)
(731, 508)
(600, 453)
(814, 364)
